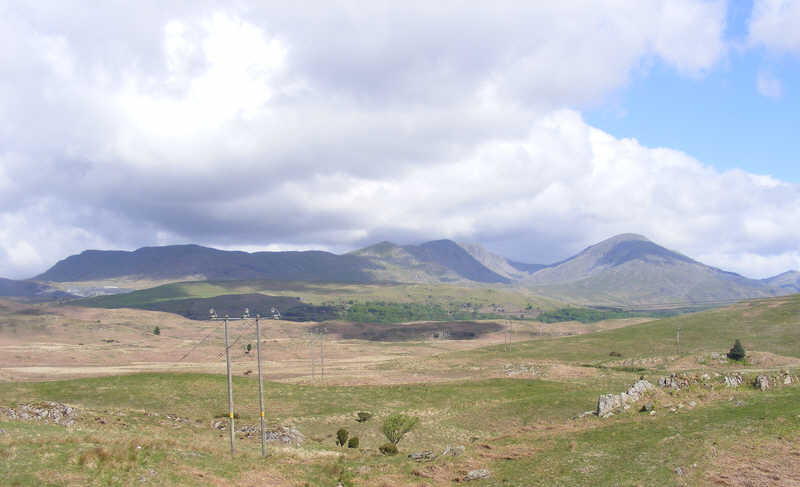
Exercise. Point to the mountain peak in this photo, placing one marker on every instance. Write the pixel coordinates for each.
(624, 237)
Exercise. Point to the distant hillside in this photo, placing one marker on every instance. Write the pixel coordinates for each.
(439, 260)
(788, 281)
(179, 261)
(30, 290)
(499, 264)
(631, 269)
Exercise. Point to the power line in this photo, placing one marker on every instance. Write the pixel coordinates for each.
(239, 337)
(196, 345)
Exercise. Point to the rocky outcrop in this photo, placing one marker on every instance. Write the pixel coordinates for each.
(608, 403)
(46, 412)
(762, 382)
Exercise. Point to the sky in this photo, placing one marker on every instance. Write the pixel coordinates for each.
(532, 128)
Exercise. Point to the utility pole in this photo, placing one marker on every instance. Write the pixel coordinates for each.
(260, 385)
(322, 351)
(311, 354)
(230, 384)
(507, 333)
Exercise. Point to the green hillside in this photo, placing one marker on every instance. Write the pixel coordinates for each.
(769, 325)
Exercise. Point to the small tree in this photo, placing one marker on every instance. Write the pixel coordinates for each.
(156, 331)
(396, 426)
(341, 437)
(737, 352)
(249, 347)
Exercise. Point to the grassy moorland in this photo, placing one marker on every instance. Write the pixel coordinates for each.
(156, 429)
(382, 303)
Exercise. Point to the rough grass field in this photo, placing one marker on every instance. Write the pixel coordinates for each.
(525, 429)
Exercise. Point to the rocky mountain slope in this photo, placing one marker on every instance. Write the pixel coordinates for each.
(438, 260)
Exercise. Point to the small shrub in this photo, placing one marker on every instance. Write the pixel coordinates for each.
(248, 348)
(615, 354)
(341, 437)
(363, 416)
(156, 331)
(339, 473)
(737, 352)
(388, 449)
(396, 426)
(352, 442)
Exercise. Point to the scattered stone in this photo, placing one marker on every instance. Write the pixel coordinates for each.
(453, 451)
(692, 404)
(734, 380)
(653, 412)
(422, 456)
(679, 471)
(647, 407)
(677, 382)
(739, 404)
(762, 382)
(481, 473)
(219, 425)
(285, 434)
(522, 369)
(705, 377)
(46, 412)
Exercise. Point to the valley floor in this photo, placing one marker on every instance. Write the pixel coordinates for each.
(518, 414)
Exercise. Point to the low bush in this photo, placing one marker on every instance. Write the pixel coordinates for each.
(388, 449)
(352, 442)
(363, 416)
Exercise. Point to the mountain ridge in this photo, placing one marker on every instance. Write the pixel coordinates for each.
(626, 268)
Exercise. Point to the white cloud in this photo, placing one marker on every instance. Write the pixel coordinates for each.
(275, 125)
(775, 24)
(769, 86)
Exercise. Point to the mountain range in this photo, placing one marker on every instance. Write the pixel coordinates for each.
(627, 269)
